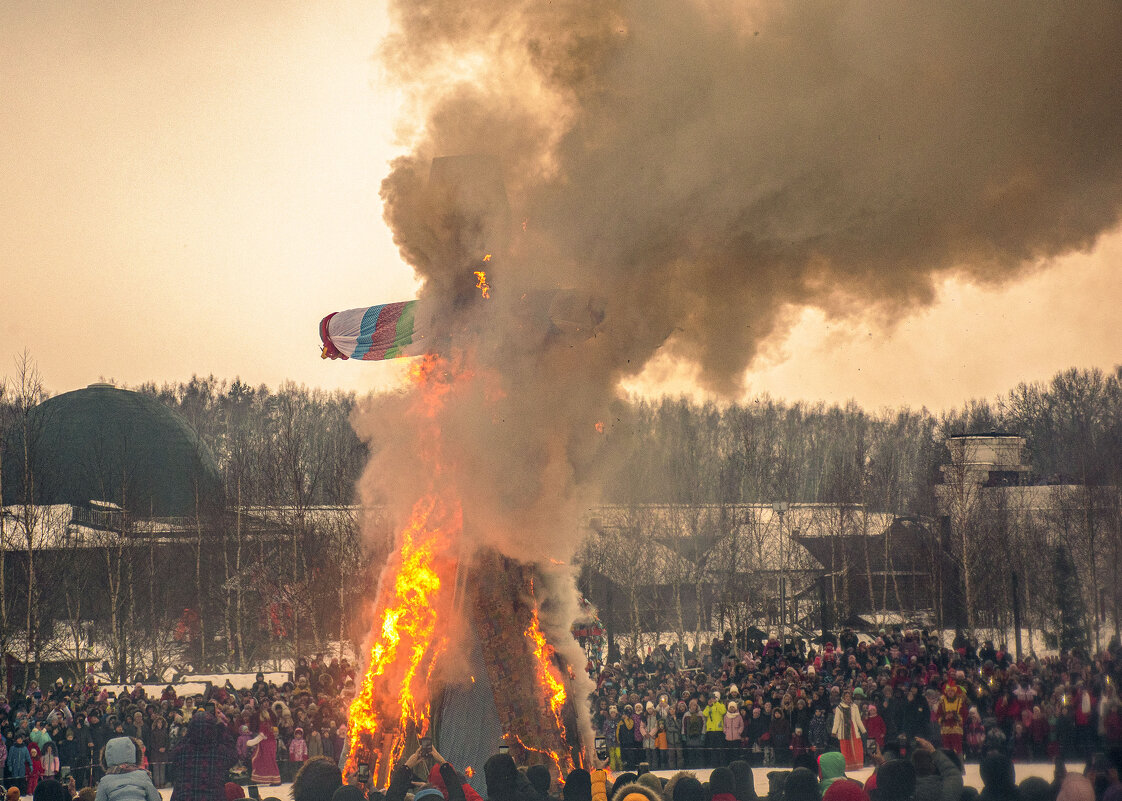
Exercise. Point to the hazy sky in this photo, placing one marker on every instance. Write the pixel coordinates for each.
(189, 188)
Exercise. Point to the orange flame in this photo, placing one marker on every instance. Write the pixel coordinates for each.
(549, 678)
(406, 644)
(409, 632)
(481, 282)
(552, 756)
(600, 427)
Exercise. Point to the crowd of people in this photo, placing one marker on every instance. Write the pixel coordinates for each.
(900, 696)
(769, 704)
(263, 734)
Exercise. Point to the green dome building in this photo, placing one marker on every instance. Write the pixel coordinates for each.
(102, 443)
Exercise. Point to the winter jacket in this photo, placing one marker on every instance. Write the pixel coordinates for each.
(693, 726)
(649, 728)
(714, 716)
(158, 745)
(599, 785)
(125, 780)
(298, 749)
(944, 785)
(201, 760)
(19, 761)
(831, 767)
(734, 726)
(68, 752)
(135, 785)
(847, 722)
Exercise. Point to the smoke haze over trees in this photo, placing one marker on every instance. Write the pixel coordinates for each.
(282, 453)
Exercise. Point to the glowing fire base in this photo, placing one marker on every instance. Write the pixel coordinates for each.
(513, 691)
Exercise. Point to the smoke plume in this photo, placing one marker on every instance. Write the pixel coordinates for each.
(699, 168)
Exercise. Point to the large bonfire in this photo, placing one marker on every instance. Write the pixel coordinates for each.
(416, 616)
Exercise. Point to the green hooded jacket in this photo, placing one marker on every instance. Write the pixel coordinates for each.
(831, 767)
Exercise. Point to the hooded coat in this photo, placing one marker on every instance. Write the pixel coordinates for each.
(831, 767)
(505, 782)
(202, 759)
(636, 792)
(125, 780)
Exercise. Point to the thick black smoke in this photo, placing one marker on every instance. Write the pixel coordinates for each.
(701, 167)
(703, 164)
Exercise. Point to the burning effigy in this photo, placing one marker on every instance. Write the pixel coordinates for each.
(456, 611)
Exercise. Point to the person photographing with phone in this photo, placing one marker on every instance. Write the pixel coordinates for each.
(442, 780)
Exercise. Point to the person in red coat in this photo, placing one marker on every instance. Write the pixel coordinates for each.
(36, 772)
(874, 725)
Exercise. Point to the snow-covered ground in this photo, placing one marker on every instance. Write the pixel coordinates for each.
(1024, 770)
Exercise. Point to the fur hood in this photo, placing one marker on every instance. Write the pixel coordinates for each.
(636, 792)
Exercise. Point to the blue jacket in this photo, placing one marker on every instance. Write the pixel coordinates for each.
(19, 760)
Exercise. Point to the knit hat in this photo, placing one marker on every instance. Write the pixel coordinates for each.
(233, 791)
(800, 785)
(539, 778)
(688, 788)
(745, 783)
(578, 786)
(721, 780)
(428, 792)
(12, 794)
(501, 774)
(648, 779)
(845, 790)
(120, 751)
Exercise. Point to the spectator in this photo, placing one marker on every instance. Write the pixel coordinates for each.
(317, 780)
(998, 779)
(937, 777)
(745, 781)
(722, 785)
(124, 779)
(202, 760)
(51, 790)
(849, 731)
(578, 786)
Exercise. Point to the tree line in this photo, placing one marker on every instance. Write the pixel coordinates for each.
(268, 570)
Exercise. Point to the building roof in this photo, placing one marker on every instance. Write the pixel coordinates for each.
(109, 444)
(905, 546)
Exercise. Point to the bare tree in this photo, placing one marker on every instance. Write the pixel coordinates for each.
(26, 392)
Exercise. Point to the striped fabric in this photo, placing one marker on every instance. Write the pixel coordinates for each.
(373, 332)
